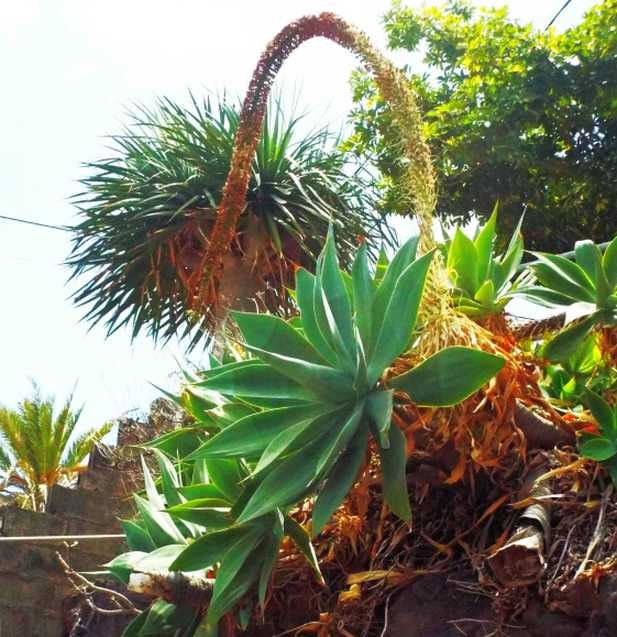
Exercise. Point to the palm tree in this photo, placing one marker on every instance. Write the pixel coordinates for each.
(148, 212)
(36, 450)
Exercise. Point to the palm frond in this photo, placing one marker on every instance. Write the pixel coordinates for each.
(148, 209)
(6, 461)
(83, 445)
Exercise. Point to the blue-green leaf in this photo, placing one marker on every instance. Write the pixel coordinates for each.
(394, 475)
(604, 415)
(396, 325)
(379, 409)
(363, 294)
(340, 480)
(272, 334)
(609, 263)
(599, 449)
(484, 243)
(449, 376)
(463, 263)
(305, 291)
(258, 381)
(249, 436)
(562, 346)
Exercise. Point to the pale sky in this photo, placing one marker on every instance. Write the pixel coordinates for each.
(69, 69)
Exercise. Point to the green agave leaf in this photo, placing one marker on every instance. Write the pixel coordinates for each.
(599, 449)
(211, 513)
(340, 481)
(290, 439)
(134, 628)
(200, 490)
(302, 541)
(383, 295)
(272, 334)
(288, 481)
(137, 536)
(334, 288)
(506, 267)
(270, 551)
(178, 443)
(259, 381)
(603, 413)
(381, 266)
(486, 295)
(213, 372)
(379, 409)
(249, 436)
(564, 276)
(324, 381)
(363, 294)
(449, 376)
(122, 566)
(160, 526)
(226, 475)
(399, 318)
(330, 330)
(158, 560)
(463, 263)
(235, 575)
(484, 244)
(589, 257)
(209, 549)
(469, 307)
(609, 263)
(167, 620)
(200, 472)
(543, 296)
(562, 346)
(394, 475)
(305, 291)
(154, 497)
(346, 432)
(169, 478)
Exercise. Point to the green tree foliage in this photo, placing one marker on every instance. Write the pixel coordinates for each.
(513, 114)
(37, 448)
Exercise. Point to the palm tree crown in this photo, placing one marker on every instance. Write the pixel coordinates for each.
(148, 211)
(36, 449)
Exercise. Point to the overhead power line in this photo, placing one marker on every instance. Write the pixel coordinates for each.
(36, 223)
(563, 8)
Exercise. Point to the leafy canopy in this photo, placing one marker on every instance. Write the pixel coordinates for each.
(513, 114)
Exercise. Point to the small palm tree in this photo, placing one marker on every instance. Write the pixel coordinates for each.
(147, 214)
(36, 450)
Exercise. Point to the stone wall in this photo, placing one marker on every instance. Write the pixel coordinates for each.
(35, 596)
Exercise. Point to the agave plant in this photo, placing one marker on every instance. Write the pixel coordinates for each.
(293, 422)
(147, 214)
(602, 447)
(586, 287)
(320, 376)
(187, 521)
(38, 449)
(481, 280)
